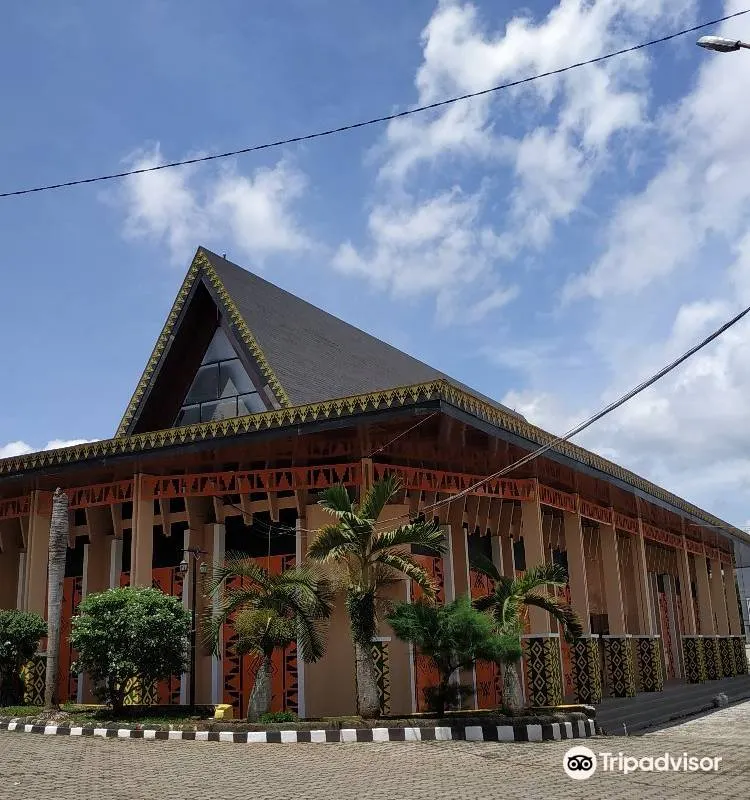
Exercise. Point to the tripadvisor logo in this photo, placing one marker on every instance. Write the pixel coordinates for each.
(580, 763)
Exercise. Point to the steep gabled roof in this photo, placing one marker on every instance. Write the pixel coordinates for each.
(305, 354)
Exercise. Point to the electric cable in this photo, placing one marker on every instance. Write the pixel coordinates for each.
(373, 121)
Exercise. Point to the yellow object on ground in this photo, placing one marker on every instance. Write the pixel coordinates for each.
(223, 711)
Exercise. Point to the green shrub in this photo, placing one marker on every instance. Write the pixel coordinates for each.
(127, 635)
(278, 716)
(452, 636)
(20, 632)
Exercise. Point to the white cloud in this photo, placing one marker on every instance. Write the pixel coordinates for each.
(189, 205)
(21, 448)
(699, 194)
(572, 122)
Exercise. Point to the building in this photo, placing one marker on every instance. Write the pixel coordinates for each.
(253, 401)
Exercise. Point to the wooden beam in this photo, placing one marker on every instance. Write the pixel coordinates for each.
(471, 512)
(164, 517)
(116, 513)
(483, 514)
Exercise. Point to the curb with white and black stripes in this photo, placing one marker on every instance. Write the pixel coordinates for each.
(470, 733)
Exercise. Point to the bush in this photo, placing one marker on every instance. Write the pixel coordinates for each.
(127, 635)
(20, 632)
(453, 637)
(278, 716)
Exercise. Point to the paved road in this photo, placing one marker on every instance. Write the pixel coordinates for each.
(35, 767)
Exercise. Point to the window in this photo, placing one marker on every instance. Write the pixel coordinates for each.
(221, 388)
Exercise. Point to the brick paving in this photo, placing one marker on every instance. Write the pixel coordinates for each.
(33, 767)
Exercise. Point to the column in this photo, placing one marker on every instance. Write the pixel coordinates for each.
(711, 656)
(457, 584)
(542, 646)
(37, 553)
(645, 612)
(718, 599)
(733, 609)
(506, 540)
(612, 580)
(719, 603)
(686, 593)
(142, 539)
(115, 562)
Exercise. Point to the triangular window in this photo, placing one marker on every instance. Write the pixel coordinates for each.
(221, 388)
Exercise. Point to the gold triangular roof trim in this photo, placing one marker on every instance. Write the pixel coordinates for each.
(440, 389)
(200, 266)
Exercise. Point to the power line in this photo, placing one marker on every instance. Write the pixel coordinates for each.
(375, 120)
(591, 420)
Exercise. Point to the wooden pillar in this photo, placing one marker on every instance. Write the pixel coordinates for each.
(506, 540)
(612, 580)
(37, 553)
(686, 592)
(733, 608)
(645, 615)
(533, 541)
(718, 598)
(579, 593)
(115, 562)
(96, 574)
(459, 552)
(706, 613)
(142, 538)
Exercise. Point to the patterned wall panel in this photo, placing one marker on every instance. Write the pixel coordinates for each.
(543, 671)
(239, 671)
(34, 673)
(381, 654)
(726, 656)
(618, 659)
(695, 664)
(740, 655)
(170, 581)
(489, 680)
(67, 681)
(586, 670)
(712, 658)
(649, 664)
(666, 637)
(425, 673)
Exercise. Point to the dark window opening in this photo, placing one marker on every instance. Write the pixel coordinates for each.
(127, 510)
(263, 537)
(560, 557)
(79, 516)
(74, 558)
(167, 549)
(519, 555)
(176, 505)
(479, 545)
(127, 538)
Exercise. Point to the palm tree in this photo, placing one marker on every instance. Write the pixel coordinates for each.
(270, 612)
(372, 557)
(58, 543)
(509, 602)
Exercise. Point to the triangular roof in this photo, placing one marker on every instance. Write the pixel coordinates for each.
(303, 353)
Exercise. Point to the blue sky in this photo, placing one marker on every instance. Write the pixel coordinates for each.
(551, 245)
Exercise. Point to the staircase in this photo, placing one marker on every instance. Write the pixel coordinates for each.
(655, 709)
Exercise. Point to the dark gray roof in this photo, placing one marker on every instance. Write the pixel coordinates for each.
(315, 355)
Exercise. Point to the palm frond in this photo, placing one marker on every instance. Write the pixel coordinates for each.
(403, 562)
(336, 500)
(422, 534)
(534, 577)
(482, 564)
(378, 497)
(332, 543)
(560, 611)
(235, 565)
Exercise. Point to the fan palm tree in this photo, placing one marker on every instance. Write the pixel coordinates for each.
(269, 612)
(509, 604)
(372, 557)
(58, 544)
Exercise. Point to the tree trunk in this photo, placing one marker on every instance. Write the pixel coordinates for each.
(58, 543)
(260, 696)
(512, 696)
(368, 697)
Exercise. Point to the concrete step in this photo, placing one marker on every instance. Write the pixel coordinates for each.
(650, 709)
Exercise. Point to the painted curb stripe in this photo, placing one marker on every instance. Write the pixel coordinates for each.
(469, 733)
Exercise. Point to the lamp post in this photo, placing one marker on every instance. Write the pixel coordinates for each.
(192, 555)
(721, 45)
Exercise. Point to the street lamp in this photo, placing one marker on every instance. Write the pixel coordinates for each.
(720, 44)
(196, 553)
